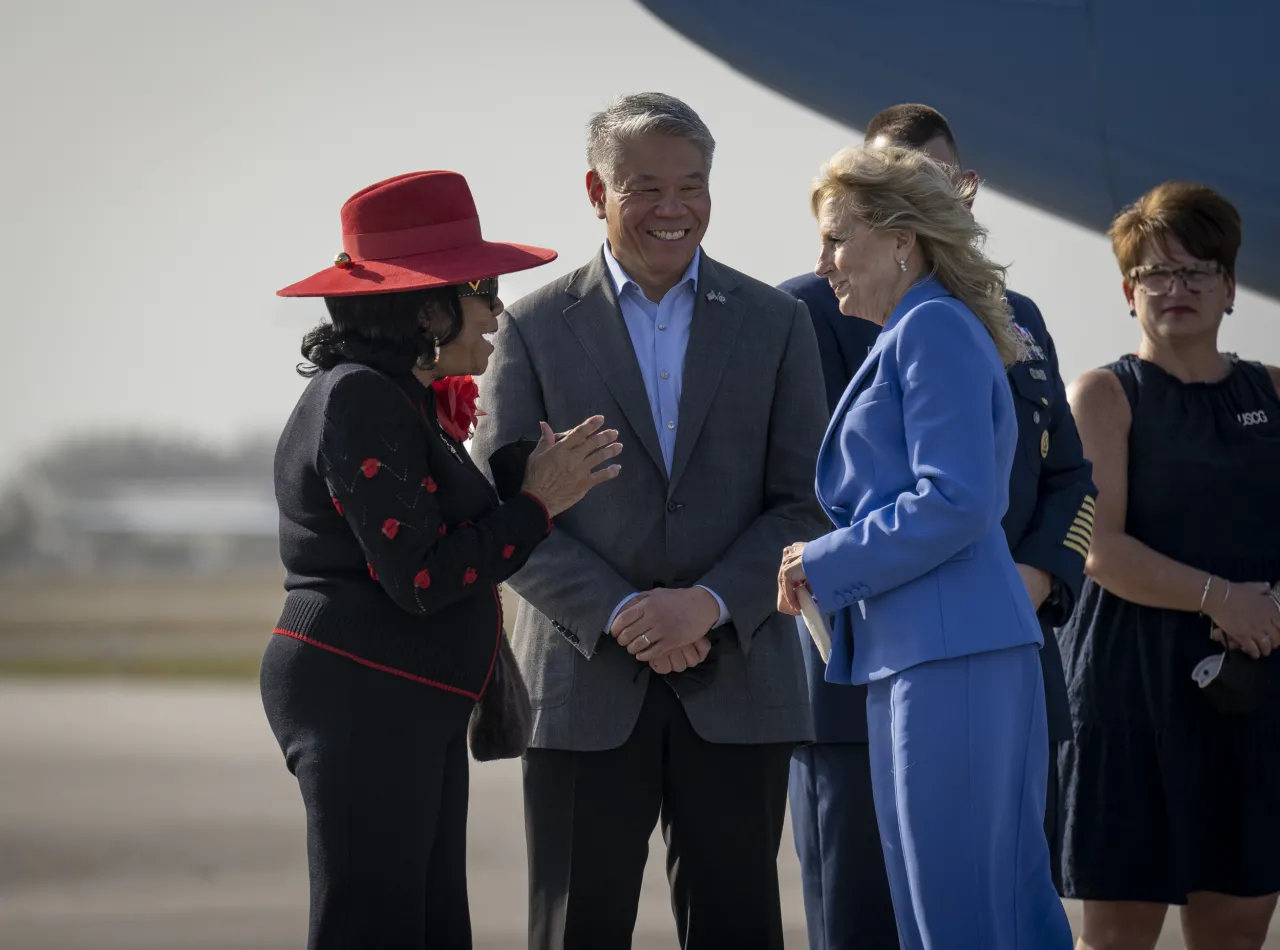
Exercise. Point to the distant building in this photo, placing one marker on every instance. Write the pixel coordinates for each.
(219, 522)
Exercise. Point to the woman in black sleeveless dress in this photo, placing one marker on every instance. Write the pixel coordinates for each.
(1169, 800)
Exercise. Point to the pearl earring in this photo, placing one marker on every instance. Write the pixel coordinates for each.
(902, 265)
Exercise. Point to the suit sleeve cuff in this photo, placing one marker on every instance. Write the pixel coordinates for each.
(827, 574)
(1065, 565)
(546, 514)
(618, 609)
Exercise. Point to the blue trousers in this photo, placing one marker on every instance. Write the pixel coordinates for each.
(959, 757)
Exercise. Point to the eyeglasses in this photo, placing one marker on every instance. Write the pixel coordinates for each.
(486, 288)
(1156, 279)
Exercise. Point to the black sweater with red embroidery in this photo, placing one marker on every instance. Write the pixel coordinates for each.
(393, 541)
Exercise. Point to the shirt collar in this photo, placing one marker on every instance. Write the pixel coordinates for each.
(622, 280)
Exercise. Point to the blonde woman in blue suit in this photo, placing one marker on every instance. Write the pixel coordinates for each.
(927, 605)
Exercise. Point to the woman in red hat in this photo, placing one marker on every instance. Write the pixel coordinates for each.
(394, 544)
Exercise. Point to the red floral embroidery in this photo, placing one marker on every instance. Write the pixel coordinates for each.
(338, 505)
(372, 573)
(429, 484)
(509, 550)
(444, 529)
(422, 579)
(390, 528)
(456, 405)
(370, 467)
(470, 576)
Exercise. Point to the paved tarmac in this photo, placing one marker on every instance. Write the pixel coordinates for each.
(154, 816)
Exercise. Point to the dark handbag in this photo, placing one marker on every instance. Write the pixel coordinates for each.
(501, 724)
(1232, 681)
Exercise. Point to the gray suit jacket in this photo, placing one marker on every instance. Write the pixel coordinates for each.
(752, 416)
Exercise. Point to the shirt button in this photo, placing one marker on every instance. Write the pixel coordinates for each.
(1035, 417)
(671, 425)
(665, 374)
(672, 506)
(662, 326)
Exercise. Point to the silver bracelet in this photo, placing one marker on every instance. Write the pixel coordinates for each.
(1207, 584)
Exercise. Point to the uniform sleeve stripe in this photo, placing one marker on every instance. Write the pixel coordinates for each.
(1074, 535)
(1083, 552)
(1083, 525)
(1087, 504)
(1085, 516)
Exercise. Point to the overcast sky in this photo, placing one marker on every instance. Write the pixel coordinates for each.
(166, 167)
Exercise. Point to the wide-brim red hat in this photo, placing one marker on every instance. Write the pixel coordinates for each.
(412, 232)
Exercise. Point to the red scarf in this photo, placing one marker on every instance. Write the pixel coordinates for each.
(456, 405)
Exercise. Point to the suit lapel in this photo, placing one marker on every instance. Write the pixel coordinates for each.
(716, 322)
(852, 390)
(596, 320)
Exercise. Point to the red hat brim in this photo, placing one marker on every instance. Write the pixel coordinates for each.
(418, 272)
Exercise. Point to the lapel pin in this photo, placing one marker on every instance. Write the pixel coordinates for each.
(715, 295)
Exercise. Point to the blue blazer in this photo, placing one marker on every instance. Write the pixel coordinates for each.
(914, 474)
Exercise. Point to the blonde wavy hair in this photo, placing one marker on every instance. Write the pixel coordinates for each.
(891, 188)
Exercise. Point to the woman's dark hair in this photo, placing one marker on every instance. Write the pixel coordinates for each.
(396, 331)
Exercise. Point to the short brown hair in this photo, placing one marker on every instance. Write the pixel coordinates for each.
(911, 125)
(1203, 222)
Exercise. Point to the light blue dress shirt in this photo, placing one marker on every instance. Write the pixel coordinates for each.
(660, 335)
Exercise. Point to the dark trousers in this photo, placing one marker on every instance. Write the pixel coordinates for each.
(589, 816)
(382, 765)
(847, 905)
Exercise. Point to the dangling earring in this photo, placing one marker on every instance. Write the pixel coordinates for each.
(902, 266)
(435, 342)
(1133, 313)
(1231, 310)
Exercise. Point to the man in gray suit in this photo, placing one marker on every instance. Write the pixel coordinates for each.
(664, 684)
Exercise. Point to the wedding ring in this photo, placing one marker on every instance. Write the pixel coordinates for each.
(645, 638)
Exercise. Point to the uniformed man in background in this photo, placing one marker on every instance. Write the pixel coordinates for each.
(1049, 524)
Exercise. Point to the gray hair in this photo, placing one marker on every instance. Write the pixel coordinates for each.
(629, 117)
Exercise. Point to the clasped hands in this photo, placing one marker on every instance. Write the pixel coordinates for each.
(1247, 618)
(667, 627)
